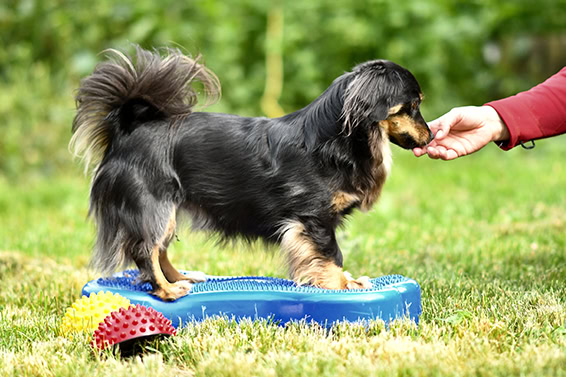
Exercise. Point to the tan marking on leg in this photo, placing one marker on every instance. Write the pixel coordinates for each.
(173, 275)
(166, 290)
(170, 272)
(342, 200)
(306, 264)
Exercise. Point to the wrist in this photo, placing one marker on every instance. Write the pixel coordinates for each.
(500, 132)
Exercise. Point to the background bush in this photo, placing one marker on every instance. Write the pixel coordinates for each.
(462, 52)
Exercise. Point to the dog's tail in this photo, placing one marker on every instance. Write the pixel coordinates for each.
(123, 91)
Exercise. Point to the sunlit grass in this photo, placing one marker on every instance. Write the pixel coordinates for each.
(485, 237)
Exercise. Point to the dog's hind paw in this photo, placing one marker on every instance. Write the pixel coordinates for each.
(196, 276)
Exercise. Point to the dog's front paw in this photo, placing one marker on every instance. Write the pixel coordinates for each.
(174, 291)
(359, 283)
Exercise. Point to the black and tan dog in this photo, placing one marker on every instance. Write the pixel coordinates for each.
(289, 180)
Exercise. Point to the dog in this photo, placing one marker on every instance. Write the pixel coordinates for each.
(289, 181)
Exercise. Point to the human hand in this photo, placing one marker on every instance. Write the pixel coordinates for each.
(463, 130)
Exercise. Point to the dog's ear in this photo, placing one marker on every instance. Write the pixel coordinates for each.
(367, 97)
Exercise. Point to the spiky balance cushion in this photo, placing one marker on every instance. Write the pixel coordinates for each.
(86, 313)
(280, 300)
(125, 327)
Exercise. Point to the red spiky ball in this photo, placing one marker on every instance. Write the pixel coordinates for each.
(127, 324)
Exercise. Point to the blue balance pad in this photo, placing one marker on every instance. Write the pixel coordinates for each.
(279, 300)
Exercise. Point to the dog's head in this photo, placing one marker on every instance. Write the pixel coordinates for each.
(386, 95)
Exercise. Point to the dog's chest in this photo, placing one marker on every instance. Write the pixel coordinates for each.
(381, 151)
(387, 156)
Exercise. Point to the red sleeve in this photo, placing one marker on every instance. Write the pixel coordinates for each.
(537, 113)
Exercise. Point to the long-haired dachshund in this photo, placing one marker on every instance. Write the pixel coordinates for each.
(288, 180)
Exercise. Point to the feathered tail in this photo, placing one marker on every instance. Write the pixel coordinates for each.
(124, 89)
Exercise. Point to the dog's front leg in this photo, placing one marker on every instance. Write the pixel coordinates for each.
(315, 258)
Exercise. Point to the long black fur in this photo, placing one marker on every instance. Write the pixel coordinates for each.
(235, 175)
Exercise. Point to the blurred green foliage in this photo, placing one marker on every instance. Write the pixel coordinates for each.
(462, 52)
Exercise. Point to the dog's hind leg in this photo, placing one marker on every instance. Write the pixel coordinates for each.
(168, 283)
(173, 275)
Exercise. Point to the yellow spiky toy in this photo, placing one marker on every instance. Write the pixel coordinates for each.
(86, 313)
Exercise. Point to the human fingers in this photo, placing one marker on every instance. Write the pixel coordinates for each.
(441, 150)
(441, 126)
(441, 153)
(418, 152)
(450, 154)
(433, 153)
(444, 153)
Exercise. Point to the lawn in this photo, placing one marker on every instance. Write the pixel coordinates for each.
(485, 236)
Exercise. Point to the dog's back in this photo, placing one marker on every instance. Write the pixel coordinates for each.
(245, 176)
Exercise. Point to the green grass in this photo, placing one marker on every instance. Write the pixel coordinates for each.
(485, 236)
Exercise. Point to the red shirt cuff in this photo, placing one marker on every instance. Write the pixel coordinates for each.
(522, 125)
(513, 131)
(535, 114)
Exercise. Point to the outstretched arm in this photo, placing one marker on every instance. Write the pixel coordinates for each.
(537, 113)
